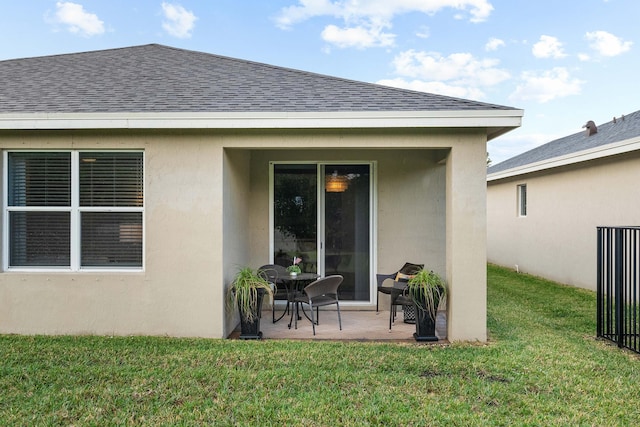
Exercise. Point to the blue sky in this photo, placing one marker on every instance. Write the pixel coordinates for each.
(564, 61)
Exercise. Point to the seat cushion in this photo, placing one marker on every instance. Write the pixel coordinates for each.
(386, 287)
(324, 300)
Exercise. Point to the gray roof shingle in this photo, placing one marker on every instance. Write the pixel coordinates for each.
(611, 132)
(155, 78)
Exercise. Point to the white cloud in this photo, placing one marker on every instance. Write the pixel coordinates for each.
(548, 47)
(462, 68)
(307, 9)
(77, 19)
(440, 88)
(584, 57)
(179, 22)
(459, 74)
(423, 32)
(494, 44)
(349, 10)
(364, 19)
(607, 44)
(546, 86)
(359, 37)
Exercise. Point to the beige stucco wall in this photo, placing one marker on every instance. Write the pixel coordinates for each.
(466, 242)
(178, 293)
(206, 214)
(557, 239)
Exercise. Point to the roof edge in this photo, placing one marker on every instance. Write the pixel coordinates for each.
(620, 147)
(503, 120)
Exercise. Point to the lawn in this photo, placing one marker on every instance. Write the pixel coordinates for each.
(542, 366)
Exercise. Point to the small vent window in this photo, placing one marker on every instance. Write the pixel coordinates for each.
(522, 200)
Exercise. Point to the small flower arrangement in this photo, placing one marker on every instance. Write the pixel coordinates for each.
(295, 268)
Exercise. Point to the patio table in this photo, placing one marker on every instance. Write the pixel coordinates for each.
(297, 284)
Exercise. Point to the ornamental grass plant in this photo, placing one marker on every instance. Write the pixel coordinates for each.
(243, 292)
(542, 365)
(427, 289)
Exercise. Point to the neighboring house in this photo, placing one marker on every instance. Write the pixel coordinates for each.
(138, 180)
(544, 206)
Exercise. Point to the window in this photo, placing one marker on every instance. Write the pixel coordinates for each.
(522, 200)
(74, 210)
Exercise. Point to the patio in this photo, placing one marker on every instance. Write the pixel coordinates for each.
(357, 325)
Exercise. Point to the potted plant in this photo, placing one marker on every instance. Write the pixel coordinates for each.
(294, 269)
(247, 292)
(426, 289)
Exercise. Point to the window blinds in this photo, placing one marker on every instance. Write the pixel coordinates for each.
(108, 211)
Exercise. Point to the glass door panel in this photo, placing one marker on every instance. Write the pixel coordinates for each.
(295, 215)
(347, 231)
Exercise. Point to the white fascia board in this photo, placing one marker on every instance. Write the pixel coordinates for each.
(271, 120)
(621, 147)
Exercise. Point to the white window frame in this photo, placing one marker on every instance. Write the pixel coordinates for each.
(522, 200)
(75, 211)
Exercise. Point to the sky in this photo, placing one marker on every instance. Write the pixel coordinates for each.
(564, 62)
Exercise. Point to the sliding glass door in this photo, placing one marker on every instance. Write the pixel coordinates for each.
(322, 214)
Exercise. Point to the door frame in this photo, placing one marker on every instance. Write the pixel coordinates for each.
(320, 244)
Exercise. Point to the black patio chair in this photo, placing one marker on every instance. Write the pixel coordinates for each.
(318, 293)
(281, 292)
(407, 269)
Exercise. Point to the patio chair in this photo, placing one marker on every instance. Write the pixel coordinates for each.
(272, 273)
(399, 298)
(318, 293)
(403, 274)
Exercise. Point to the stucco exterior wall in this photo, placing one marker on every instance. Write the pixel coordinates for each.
(177, 294)
(557, 239)
(206, 214)
(236, 235)
(466, 242)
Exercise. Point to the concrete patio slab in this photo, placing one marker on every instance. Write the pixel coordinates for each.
(357, 325)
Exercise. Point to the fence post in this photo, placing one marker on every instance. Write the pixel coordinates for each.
(619, 260)
(599, 285)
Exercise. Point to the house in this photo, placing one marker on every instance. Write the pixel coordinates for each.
(138, 180)
(543, 206)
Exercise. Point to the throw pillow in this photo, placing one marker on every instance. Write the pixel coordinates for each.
(401, 277)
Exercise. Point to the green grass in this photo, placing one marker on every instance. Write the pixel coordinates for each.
(542, 366)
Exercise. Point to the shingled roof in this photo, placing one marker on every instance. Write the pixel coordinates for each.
(618, 130)
(159, 79)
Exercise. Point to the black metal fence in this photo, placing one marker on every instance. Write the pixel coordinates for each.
(618, 287)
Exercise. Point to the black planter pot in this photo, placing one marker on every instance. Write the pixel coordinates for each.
(251, 330)
(425, 326)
